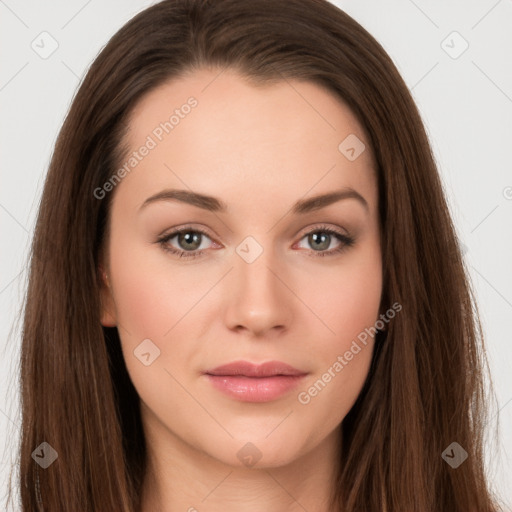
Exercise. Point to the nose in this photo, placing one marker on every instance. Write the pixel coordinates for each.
(259, 296)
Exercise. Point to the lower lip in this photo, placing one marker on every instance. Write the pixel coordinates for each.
(255, 389)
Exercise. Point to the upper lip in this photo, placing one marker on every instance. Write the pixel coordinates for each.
(248, 369)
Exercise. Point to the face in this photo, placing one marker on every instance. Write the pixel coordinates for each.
(259, 272)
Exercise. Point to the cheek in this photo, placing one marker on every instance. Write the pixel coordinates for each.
(152, 305)
(342, 359)
(151, 294)
(346, 298)
(349, 306)
(142, 308)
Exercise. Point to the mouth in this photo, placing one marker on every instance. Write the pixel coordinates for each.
(249, 382)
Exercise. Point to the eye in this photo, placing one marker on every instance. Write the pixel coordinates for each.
(322, 236)
(188, 238)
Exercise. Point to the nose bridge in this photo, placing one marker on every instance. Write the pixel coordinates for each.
(258, 299)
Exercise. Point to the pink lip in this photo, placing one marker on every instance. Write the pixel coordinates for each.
(248, 382)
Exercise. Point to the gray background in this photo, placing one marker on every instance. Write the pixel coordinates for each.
(465, 101)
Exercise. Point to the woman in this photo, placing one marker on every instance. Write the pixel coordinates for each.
(316, 348)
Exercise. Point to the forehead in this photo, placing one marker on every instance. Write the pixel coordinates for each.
(212, 130)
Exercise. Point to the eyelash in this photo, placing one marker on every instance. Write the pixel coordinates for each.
(347, 242)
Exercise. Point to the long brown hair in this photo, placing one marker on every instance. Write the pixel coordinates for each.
(425, 388)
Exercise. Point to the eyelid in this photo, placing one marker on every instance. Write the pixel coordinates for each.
(304, 231)
(320, 227)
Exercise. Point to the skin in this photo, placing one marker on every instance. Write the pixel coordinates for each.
(258, 149)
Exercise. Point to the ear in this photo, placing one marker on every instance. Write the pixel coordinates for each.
(108, 316)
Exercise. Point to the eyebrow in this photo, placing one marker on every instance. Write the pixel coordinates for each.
(213, 204)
